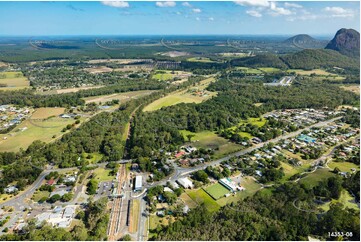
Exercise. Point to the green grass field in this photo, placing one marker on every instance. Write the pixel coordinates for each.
(249, 70)
(318, 72)
(251, 187)
(125, 96)
(254, 121)
(187, 200)
(39, 195)
(36, 130)
(201, 59)
(163, 76)
(200, 196)
(208, 139)
(216, 191)
(13, 81)
(181, 97)
(269, 69)
(346, 199)
(314, 178)
(343, 166)
(102, 174)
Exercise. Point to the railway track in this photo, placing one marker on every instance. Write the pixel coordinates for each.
(116, 210)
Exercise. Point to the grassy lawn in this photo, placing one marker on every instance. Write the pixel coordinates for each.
(216, 191)
(102, 174)
(13, 81)
(314, 178)
(208, 139)
(343, 166)
(181, 97)
(154, 221)
(163, 76)
(125, 96)
(134, 216)
(245, 135)
(290, 170)
(254, 121)
(200, 196)
(251, 187)
(39, 195)
(346, 199)
(187, 200)
(96, 157)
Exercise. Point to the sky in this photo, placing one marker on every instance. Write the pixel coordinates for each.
(244, 17)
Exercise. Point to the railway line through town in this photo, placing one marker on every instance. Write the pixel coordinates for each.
(118, 210)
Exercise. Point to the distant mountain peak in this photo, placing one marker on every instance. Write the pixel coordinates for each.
(347, 42)
(304, 41)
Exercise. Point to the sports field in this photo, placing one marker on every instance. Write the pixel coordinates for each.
(216, 191)
(182, 97)
(13, 81)
(201, 197)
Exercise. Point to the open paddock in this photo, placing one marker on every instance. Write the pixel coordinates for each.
(44, 129)
(199, 196)
(184, 96)
(208, 139)
(125, 96)
(43, 113)
(13, 81)
(352, 88)
(99, 69)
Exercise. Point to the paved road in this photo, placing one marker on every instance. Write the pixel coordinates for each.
(179, 172)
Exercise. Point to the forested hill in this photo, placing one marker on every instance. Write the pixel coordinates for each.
(266, 218)
(305, 59)
(320, 58)
(260, 61)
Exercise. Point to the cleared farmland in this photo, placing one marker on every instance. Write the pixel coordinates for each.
(185, 96)
(13, 81)
(125, 96)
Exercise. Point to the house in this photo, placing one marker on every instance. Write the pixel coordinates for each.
(185, 182)
(179, 154)
(11, 189)
(51, 182)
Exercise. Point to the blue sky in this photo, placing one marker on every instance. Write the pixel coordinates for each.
(162, 18)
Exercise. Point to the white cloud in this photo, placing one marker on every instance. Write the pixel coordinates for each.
(253, 3)
(254, 13)
(165, 4)
(196, 10)
(292, 5)
(116, 4)
(211, 19)
(187, 4)
(276, 11)
(339, 12)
